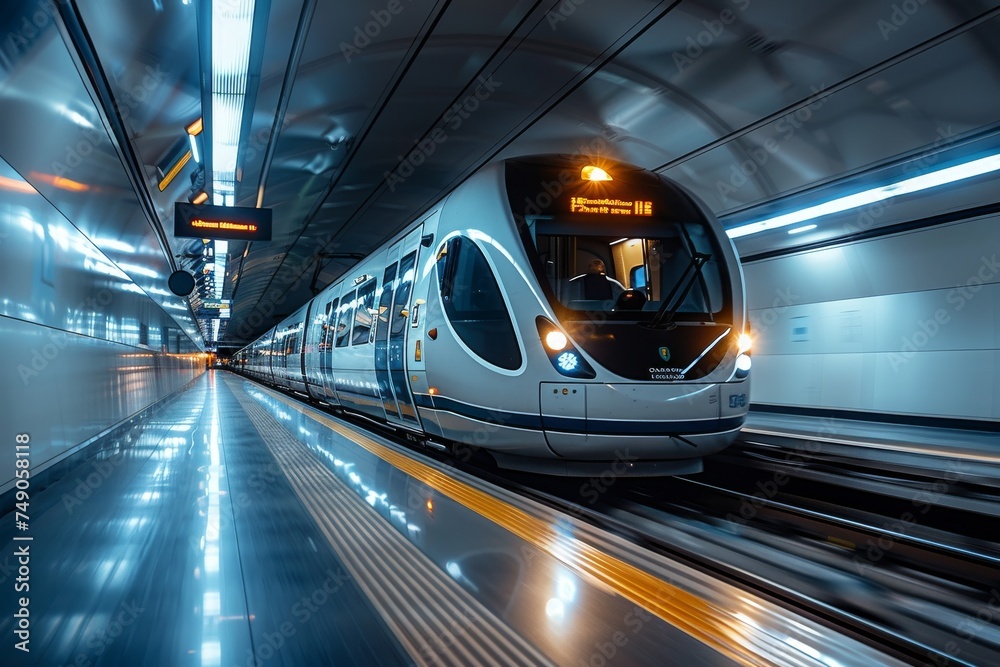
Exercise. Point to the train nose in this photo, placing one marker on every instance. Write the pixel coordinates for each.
(577, 417)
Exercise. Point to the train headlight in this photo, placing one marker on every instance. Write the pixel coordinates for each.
(592, 173)
(564, 356)
(555, 340)
(742, 366)
(568, 361)
(745, 343)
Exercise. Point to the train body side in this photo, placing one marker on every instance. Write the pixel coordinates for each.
(407, 363)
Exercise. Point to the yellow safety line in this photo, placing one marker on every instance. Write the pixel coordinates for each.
(676, 606)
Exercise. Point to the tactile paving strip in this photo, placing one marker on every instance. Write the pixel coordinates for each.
(436, 621)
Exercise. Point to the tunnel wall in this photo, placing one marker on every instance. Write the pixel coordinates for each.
(905, 325)
(89, 333)
(83, 346)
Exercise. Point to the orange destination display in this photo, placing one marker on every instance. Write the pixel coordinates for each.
(239, 223)
(610, 206)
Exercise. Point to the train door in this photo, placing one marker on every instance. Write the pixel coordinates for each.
(318, 356)
(390, 335)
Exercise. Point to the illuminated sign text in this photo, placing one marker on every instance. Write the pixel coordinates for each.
(609, 206)
(239, 223)
(222, 224)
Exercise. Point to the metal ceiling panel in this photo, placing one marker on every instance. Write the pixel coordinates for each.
(821, 98)
(937, 96)
(56, 140)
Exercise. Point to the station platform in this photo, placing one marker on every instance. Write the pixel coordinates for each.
(242, 527)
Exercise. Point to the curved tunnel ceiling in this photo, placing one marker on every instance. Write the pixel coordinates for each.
(752, 104)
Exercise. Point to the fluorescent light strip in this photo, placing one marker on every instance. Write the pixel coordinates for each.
(908, 186)
(194, 148)
(221, 253)
(232, 26)
(799, 230)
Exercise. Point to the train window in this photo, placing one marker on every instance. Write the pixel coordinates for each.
(474, 304)
(362, 313)
(292, 341)
(326, 346)
(328, 326)
(344, 320)
(384, 303)
(400, 307)
(660, 267)
(637, 278)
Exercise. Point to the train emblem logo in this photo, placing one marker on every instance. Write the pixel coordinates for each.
(665, 353)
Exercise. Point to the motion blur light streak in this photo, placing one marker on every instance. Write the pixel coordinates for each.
(60, 182)
(15, 185)
(211, 653)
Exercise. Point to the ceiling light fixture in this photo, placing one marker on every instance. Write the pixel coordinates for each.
(232, 27)
(908, 186)
(193, 131)
(799, 230)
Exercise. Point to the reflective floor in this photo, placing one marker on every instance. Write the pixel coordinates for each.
(240, 527)
(186, 548)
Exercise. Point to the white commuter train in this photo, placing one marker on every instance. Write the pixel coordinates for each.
(479, 324)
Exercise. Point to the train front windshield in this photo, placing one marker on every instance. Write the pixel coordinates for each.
(670, 271)
(631, 265)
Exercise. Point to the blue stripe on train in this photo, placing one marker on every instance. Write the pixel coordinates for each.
(575, 425)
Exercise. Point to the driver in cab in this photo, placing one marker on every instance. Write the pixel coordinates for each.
(595, 285)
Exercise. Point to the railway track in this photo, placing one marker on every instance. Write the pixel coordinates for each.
(895, 578)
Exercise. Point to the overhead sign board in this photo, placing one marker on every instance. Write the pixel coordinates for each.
(212, 314)
(239, 223)
(216, 303)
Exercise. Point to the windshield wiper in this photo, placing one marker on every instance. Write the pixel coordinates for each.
(664, 318)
